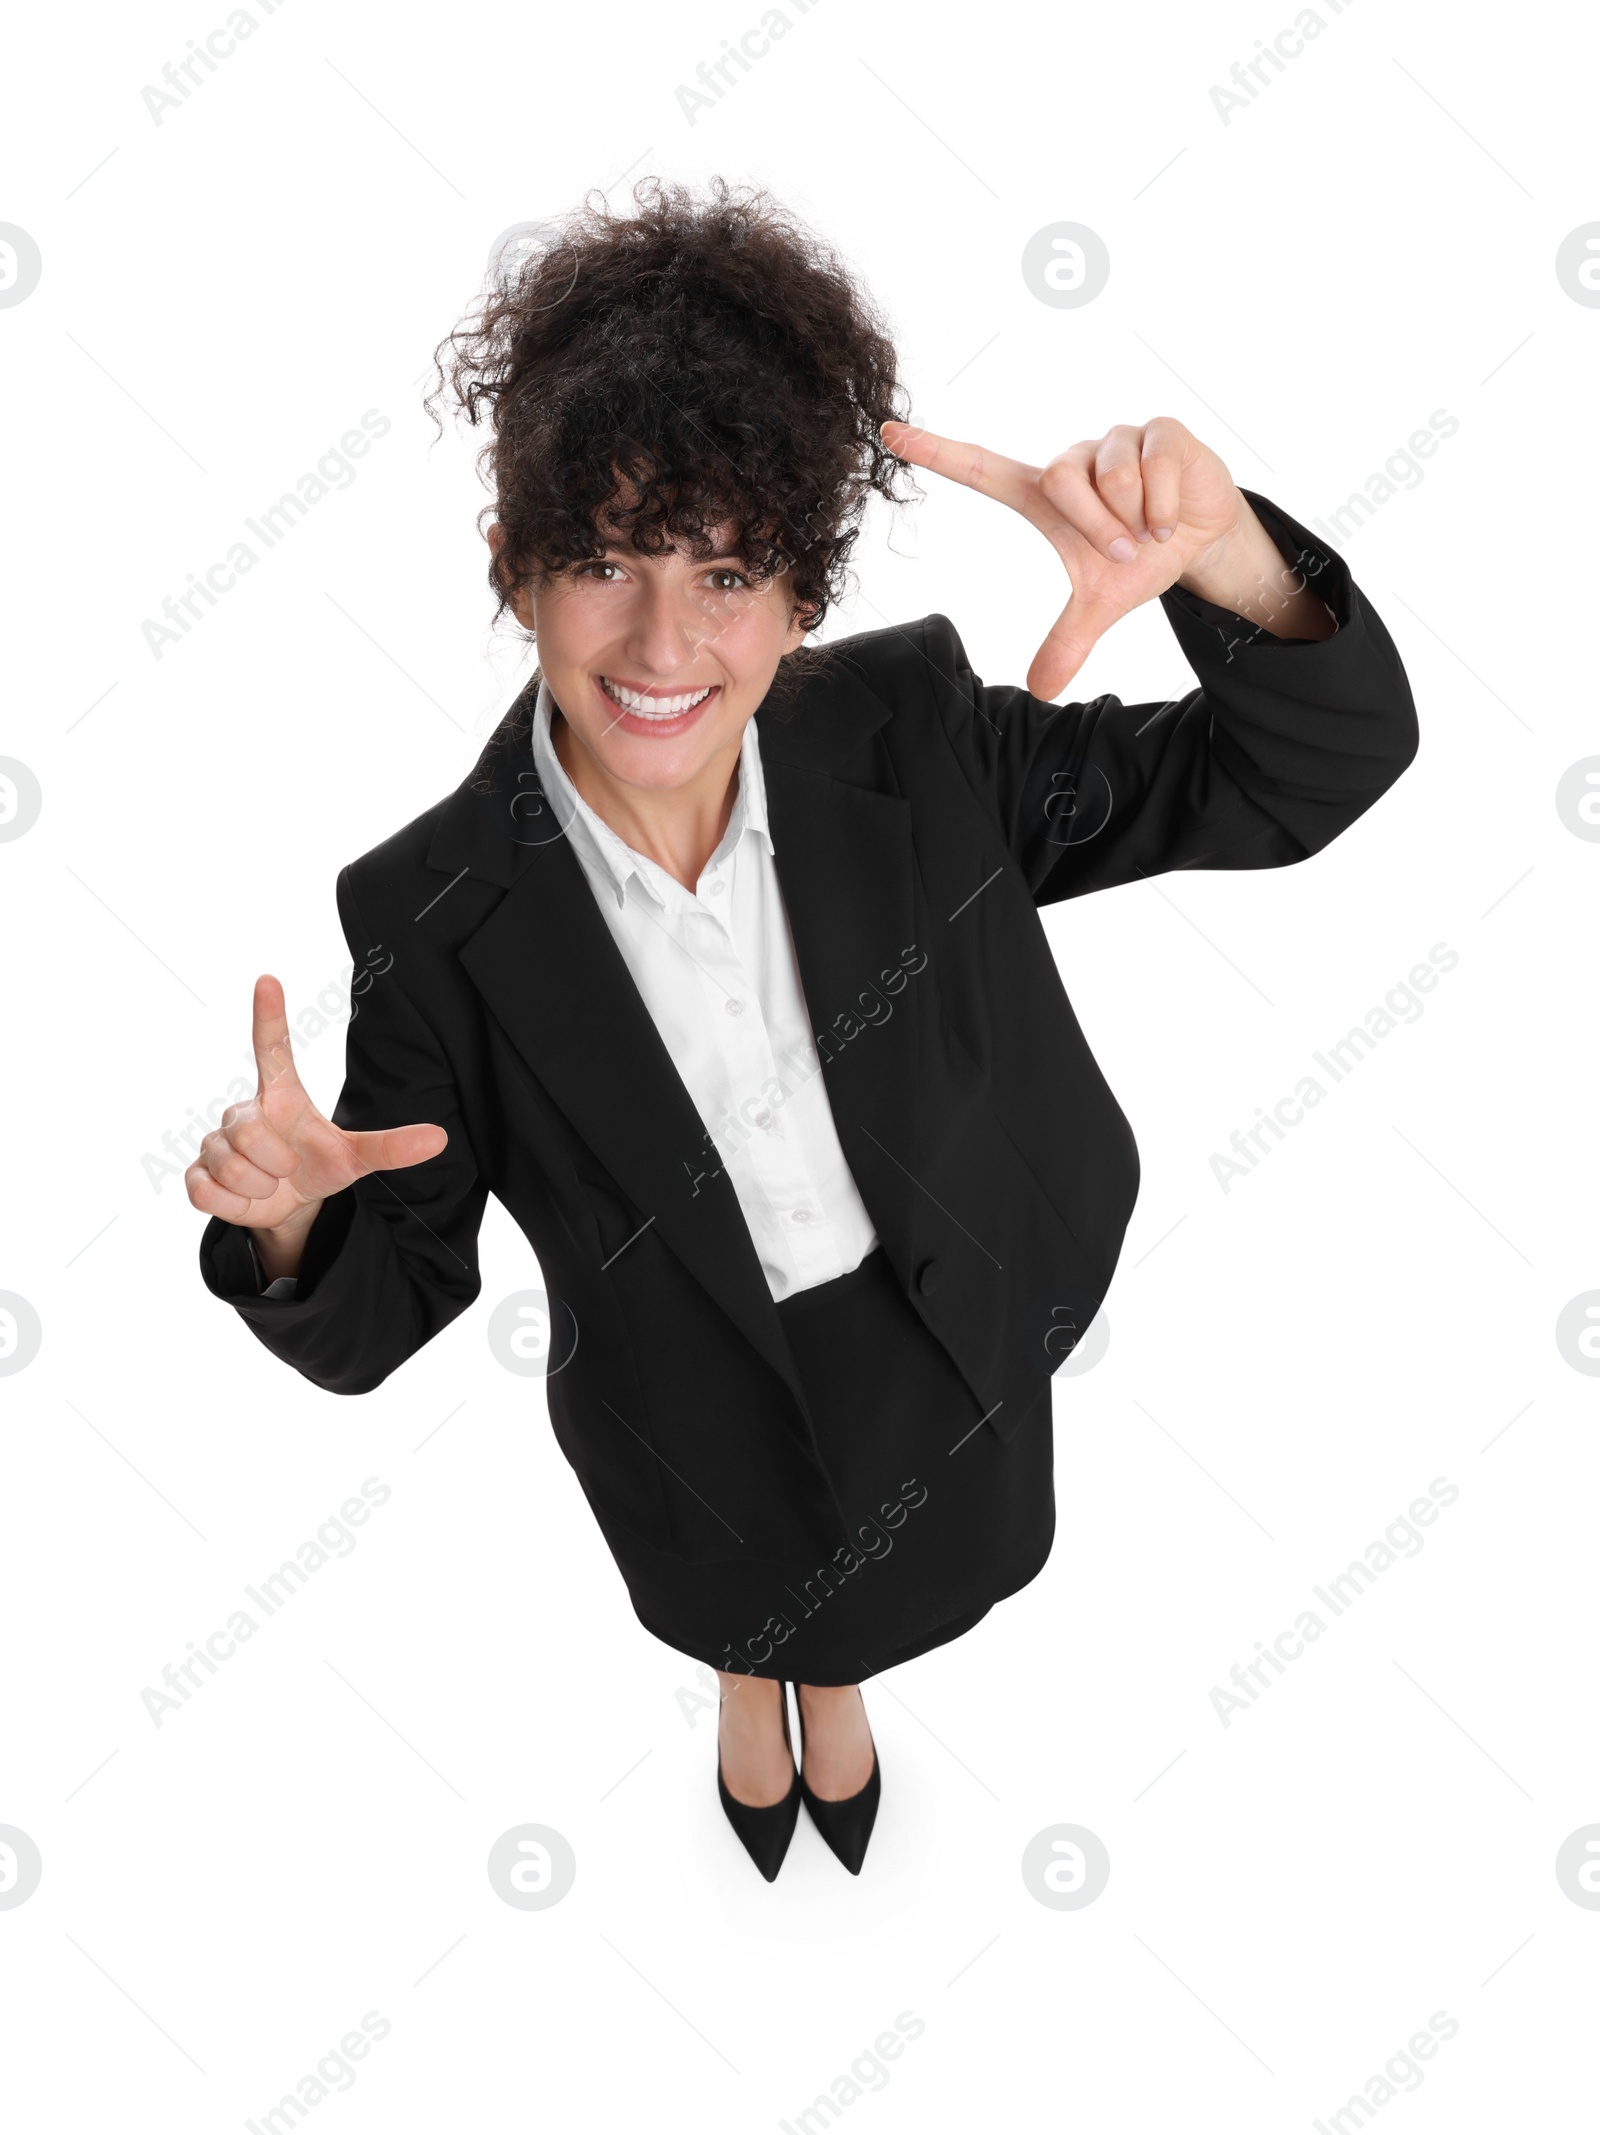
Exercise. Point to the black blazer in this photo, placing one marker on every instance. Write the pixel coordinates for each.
(919, 816)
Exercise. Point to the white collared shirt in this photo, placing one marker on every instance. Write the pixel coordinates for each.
(717, 971)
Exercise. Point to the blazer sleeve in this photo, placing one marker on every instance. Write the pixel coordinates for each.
(1285, 742)
(392, 1259)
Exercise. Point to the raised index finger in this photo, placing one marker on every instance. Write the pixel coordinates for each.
(1011, 482)
(269, 1033)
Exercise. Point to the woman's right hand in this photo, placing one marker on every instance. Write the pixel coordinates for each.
(275, 1159)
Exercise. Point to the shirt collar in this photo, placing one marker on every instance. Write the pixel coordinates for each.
(609, 858)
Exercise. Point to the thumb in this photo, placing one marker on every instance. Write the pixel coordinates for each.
(394, 1148)
(1080, 626)
(269, 1035)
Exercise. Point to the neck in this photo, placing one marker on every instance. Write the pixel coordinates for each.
(679, 827)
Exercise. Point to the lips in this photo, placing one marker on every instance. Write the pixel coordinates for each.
(655, 704)
(656, 712)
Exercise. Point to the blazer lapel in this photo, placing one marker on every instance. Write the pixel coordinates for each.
(549, 971)
(844, 859)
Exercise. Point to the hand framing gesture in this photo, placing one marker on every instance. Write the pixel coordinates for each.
(1128, 516)
(275, 1160)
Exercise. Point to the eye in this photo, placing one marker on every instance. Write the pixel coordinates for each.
(599, 563)
(724, 570)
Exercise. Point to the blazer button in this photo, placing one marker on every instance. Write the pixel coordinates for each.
(928, 1277)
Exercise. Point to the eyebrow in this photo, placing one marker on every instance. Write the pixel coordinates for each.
(622, 550)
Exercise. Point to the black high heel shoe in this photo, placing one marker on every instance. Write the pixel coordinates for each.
(765, 1833)
(845, 1825)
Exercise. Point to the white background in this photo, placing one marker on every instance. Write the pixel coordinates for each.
(1290, 1363)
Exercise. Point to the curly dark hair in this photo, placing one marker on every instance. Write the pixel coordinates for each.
(694, 365)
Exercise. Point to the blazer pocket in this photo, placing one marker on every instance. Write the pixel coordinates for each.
(958, 1051)
(615, 1219)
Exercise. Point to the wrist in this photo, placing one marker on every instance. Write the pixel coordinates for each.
(1245, 572)
(280, 1247)
(1217, 564)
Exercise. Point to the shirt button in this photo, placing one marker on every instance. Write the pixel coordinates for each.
(734, 1008)
(717, 887)
(763, 1119)
(802, 1215)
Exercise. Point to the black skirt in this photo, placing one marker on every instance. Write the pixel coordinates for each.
(950, 1517)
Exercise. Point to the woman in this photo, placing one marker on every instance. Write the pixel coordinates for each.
(723, 968)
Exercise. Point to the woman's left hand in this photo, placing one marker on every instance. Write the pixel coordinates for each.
(1128, 515)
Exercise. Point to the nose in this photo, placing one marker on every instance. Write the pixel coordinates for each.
(666, 627)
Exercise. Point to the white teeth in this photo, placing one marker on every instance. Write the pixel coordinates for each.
(653, 707)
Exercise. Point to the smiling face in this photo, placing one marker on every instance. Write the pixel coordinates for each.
(659, 662)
